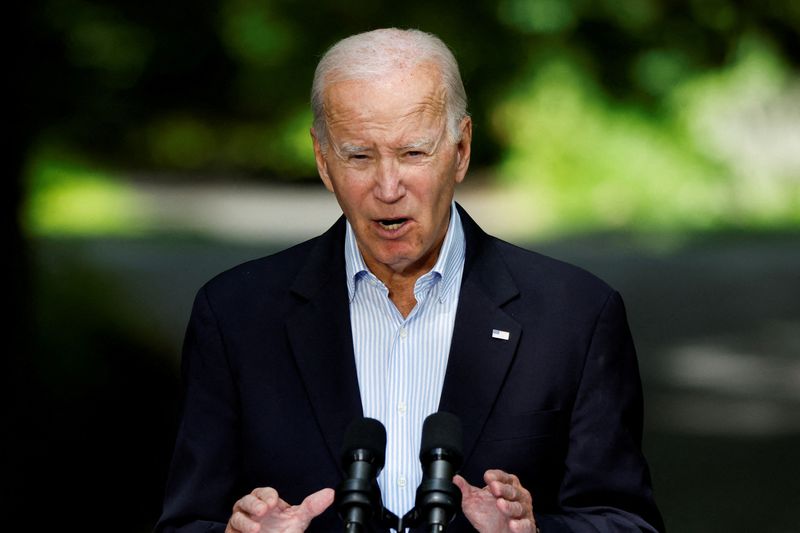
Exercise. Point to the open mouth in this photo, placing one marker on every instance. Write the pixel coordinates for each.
(392, 223)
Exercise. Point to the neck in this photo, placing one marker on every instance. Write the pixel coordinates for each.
(401, 279)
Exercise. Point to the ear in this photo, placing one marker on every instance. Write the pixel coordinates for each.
(463, 148)
(322, 164)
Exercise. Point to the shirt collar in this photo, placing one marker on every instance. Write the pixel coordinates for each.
(447, 267)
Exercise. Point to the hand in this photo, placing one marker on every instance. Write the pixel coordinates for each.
(502, 505)
(263, 511)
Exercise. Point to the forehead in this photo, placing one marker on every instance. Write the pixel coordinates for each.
(398, 103)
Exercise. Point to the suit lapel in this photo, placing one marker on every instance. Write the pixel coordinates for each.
(479, 361)
(321, 340)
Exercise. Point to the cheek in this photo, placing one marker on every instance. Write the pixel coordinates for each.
(350, 190)
(441, 190)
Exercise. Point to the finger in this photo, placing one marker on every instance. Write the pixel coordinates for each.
(316, 503)
(240, 522)
(499, 475)
(271, 498)
(514, 510)
(462, 484)
(251, 505)
(267, 495)
(503, 490)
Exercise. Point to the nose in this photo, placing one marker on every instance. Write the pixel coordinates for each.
(389, 186)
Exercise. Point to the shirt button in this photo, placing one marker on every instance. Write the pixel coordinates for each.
(401, 408)
(403, 333)
(401, 481)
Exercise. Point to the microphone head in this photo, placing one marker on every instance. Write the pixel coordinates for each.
(442, 431)
(365, 434)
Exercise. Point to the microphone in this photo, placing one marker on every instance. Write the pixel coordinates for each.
(358, 498)
(441, 455)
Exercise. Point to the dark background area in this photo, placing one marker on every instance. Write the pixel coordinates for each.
(99, 418)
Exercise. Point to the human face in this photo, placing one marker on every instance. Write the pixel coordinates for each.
(392, 167)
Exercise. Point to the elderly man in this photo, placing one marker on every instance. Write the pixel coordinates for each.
(405, 307)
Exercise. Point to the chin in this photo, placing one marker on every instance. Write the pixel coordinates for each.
(397, 261)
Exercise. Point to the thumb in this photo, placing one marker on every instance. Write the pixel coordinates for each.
(316, 503)
(463, 485)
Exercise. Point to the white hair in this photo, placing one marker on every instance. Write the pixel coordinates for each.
(374, 54)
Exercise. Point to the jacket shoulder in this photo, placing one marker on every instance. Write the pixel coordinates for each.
(259, 286)
(281, 269)
(533, 273)
(278, 270)
(532, 269)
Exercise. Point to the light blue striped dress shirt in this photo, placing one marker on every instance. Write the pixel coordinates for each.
(400, 361)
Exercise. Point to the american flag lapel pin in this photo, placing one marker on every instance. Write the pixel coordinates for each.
(500, 334)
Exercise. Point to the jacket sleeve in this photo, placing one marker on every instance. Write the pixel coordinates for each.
(202, 484)
(606, 485)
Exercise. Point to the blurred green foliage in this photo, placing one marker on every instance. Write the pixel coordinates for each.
(601, 114)
(71, 197)
(584, 161)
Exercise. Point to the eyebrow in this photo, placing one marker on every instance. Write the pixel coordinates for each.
(355, 148)
(422, 143)
(346, 148)
(349, 148)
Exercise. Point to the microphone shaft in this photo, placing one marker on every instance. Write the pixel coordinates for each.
(360, 469)
(441, 469)
(353, 527)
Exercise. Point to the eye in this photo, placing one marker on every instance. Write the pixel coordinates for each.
(359, 157)
(415, 153)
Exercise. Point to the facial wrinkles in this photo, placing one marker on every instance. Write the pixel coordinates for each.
(388, 124)
(429, 145)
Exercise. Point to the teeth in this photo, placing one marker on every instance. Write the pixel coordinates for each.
(392, 224)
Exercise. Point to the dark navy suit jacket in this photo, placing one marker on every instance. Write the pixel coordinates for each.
(270, 387)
